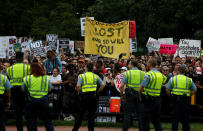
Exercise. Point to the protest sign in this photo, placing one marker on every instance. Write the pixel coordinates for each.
(79, 44)
(167, 49)
(11, 42)
(82, 22)
(133, 45)
(71, 47)
(117, 81)
(202, 52)
(37, 48)
(153, 44)
(3, 46)
(168, 41)
(189, 48)
(51, 41)
(132, 29)
(108, 40)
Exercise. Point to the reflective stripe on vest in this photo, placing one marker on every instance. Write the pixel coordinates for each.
(2, 84)
(181, 85)
(154, 86)
(134, 78)
(16, 74)
(89, 82)
(37, 86)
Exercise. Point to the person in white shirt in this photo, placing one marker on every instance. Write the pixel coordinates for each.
(55, 79)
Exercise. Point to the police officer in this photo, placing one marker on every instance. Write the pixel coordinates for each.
(16, 73)
(181, 88)
(86, 87)
(151, 85)
(132, 79)
(37, 85)
(4, 85)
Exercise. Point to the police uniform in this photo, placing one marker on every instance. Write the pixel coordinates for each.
(132, 79)
(16, 73)
(37, 88)
(180, 86)
(4, 85)
(152, 84)
(88, 100)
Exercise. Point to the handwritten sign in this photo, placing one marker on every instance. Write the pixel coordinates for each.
(189, 48)
(153, 44)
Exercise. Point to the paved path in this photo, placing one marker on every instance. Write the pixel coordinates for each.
(69, 128)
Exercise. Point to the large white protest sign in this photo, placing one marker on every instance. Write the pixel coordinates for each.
(51, 41)
(133, 45)
(189, 48)
(168, 41)
(37, 48)
(82, 22)
(153, 44)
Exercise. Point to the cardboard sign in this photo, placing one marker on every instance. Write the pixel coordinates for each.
(118, 80)
(168, 41)
(82, 22)
(167, 49)
(133, 45)
(37, 48)
(108, 40)
(132, 29)
(71, 47)
(189, 48)
(51, 41)
(153, 44)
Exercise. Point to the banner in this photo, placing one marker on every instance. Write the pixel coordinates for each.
(51, 41)
(153, 44)
(132, 29)
(37, 48)
(189, 48)
(82, 22)
(167, 49)
(168, 41)
(108, 40)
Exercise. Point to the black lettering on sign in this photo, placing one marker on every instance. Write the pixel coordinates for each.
(105, 49)
(108, 32)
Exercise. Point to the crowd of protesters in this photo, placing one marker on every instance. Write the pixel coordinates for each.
(64, 70)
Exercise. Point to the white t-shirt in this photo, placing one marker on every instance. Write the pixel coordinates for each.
(55, 79)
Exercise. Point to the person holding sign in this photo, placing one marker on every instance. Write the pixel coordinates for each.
(181, 88)
(51, 62)
(132, 79)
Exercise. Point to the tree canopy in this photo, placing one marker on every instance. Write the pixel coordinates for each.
(163, 18)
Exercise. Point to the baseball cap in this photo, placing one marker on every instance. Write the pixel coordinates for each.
(124, 68)
(81, 60)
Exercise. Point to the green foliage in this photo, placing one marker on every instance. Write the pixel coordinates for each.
(163, 18)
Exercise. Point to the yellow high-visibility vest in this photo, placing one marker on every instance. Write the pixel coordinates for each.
(17, 72)
(89, 81)
(37, 86)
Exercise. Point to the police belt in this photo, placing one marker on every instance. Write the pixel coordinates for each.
(130, 92)
(88, 93)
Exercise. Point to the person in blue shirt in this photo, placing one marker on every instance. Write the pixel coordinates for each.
(132, 79)
(5, 85)
(180, 88)
(150, 90)
(51, 62)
